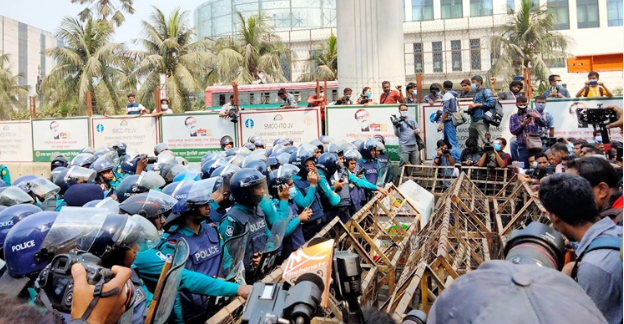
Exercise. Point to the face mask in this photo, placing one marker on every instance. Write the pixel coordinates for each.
(593, 83)
(522, 109)
(369, 95)
(497, 147)
(165, 107)
(404, 113)
(415, 93)
(534, 164)
(292, 192)
(348, 96)
(540, 107)
(559, 84)
(473, 87)
(598, 139)
(322, 95)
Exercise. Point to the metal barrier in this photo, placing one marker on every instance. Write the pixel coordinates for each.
(437, 179)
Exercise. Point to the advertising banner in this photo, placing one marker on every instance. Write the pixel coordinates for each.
(63, 135)
(562, 110)
(15, 141)
(193, 135)
(300, 125)
(361, 122)
(138, 132)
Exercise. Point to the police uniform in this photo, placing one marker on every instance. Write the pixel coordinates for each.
(309, 197)
(293, 238)
(357, 191)
(371, 172)
(198, 278)
(233, 224)
(330, 200)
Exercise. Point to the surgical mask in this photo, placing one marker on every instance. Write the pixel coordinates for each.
(165, 107)
(348, 96)
(292, 192)
(598, 139)
(540, 106)
(369, 95)
(497, 147)
(559, 84)
(593, 83)
(415, 93)
(404, 113)
(534, 164)
(522, 107)
(473, 87)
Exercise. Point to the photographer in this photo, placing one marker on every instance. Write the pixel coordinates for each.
(365, 97)
(522, 124)
(471, 154)
(494, 156)
(346, 98)
(604, 181)
(226, 110)
(594, 87)
(449, 107)
(548, 131)
(571, 206)
(406, 129)
(444, 156)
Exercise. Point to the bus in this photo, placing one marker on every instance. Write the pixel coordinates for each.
(264, 96)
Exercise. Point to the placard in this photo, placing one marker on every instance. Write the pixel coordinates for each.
(16, 141)
(300, 125)
(193, 135)
(361, 122)
(137, 132)
(64, 135)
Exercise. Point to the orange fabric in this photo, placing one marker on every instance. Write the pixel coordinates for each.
(392, 98)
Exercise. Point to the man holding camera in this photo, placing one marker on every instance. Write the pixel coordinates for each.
(493, 155)
(594, 87)
(226, 110)
(406, 129)
(570, 204)
(523, 123)
(346, 98)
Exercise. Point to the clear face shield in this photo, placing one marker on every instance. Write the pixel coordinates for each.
(74, 227)
(80, 174)
(150, 180)
(159, 202)
(43, 188)
(82, 159)
(138, 231)
(109, 204)
(14, 196)
(258, 190)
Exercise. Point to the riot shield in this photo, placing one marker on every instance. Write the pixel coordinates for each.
(167, 288)
(274, 242)
(232, 255)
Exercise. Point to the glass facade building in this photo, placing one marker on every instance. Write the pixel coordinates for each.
(217, 18)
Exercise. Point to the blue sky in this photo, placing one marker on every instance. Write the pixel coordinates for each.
(47, 14)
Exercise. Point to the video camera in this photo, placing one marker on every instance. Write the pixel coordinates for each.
(57, 282)
(233, 114)
(598, 117)
(150, 159)
(537, 244)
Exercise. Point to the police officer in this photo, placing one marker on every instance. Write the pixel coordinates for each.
(188, 221)
(328, 165)
(279, 180)
(104, 167)
(159, 148)
(153, 205)
(83, 159)
(368, 150)
(44, 192)
(10, 216)
(385, 174)
(358, 185)
(249, 189)
(227, 142)
(58, 162)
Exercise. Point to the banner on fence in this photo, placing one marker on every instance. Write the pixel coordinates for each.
(138, 132)
(64, 135)
(566, 122)
(361, 122)
(300, 125)
(16, 141)
(193, 135)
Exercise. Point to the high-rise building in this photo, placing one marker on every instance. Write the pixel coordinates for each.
(443, 39)
(24, 45)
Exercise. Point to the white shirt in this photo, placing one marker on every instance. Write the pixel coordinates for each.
(166, 112)
(225, 108)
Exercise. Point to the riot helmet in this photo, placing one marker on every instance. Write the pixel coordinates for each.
(248, 187)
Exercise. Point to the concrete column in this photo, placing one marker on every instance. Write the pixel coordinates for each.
(370, 44)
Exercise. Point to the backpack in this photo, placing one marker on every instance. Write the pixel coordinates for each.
(494, 116)
(600, 243)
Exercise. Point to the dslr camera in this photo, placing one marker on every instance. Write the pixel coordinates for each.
(537, 244)
(436, 117)
(233, 114)
(395, 121)
(150, 159)
(57, 282)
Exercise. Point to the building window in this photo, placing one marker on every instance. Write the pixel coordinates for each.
(614, 12)
(314, 54)
(452, 9)
(556, 63)
(422, 10)
(560, 9)
(587, 13)
(456, 55)
(285, 65)
(511, 6)
(493, 58)
(475, 54)
(418, 58)
(437, 56)
(480, 8)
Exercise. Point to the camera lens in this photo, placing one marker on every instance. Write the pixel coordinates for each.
(415, 316)
(536, 244)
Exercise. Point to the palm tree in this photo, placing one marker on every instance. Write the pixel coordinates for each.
(105, 9)
(171, 60)
(255, 54)
(12, 95)
(87, 63)
(326, 63)
(529, 39)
